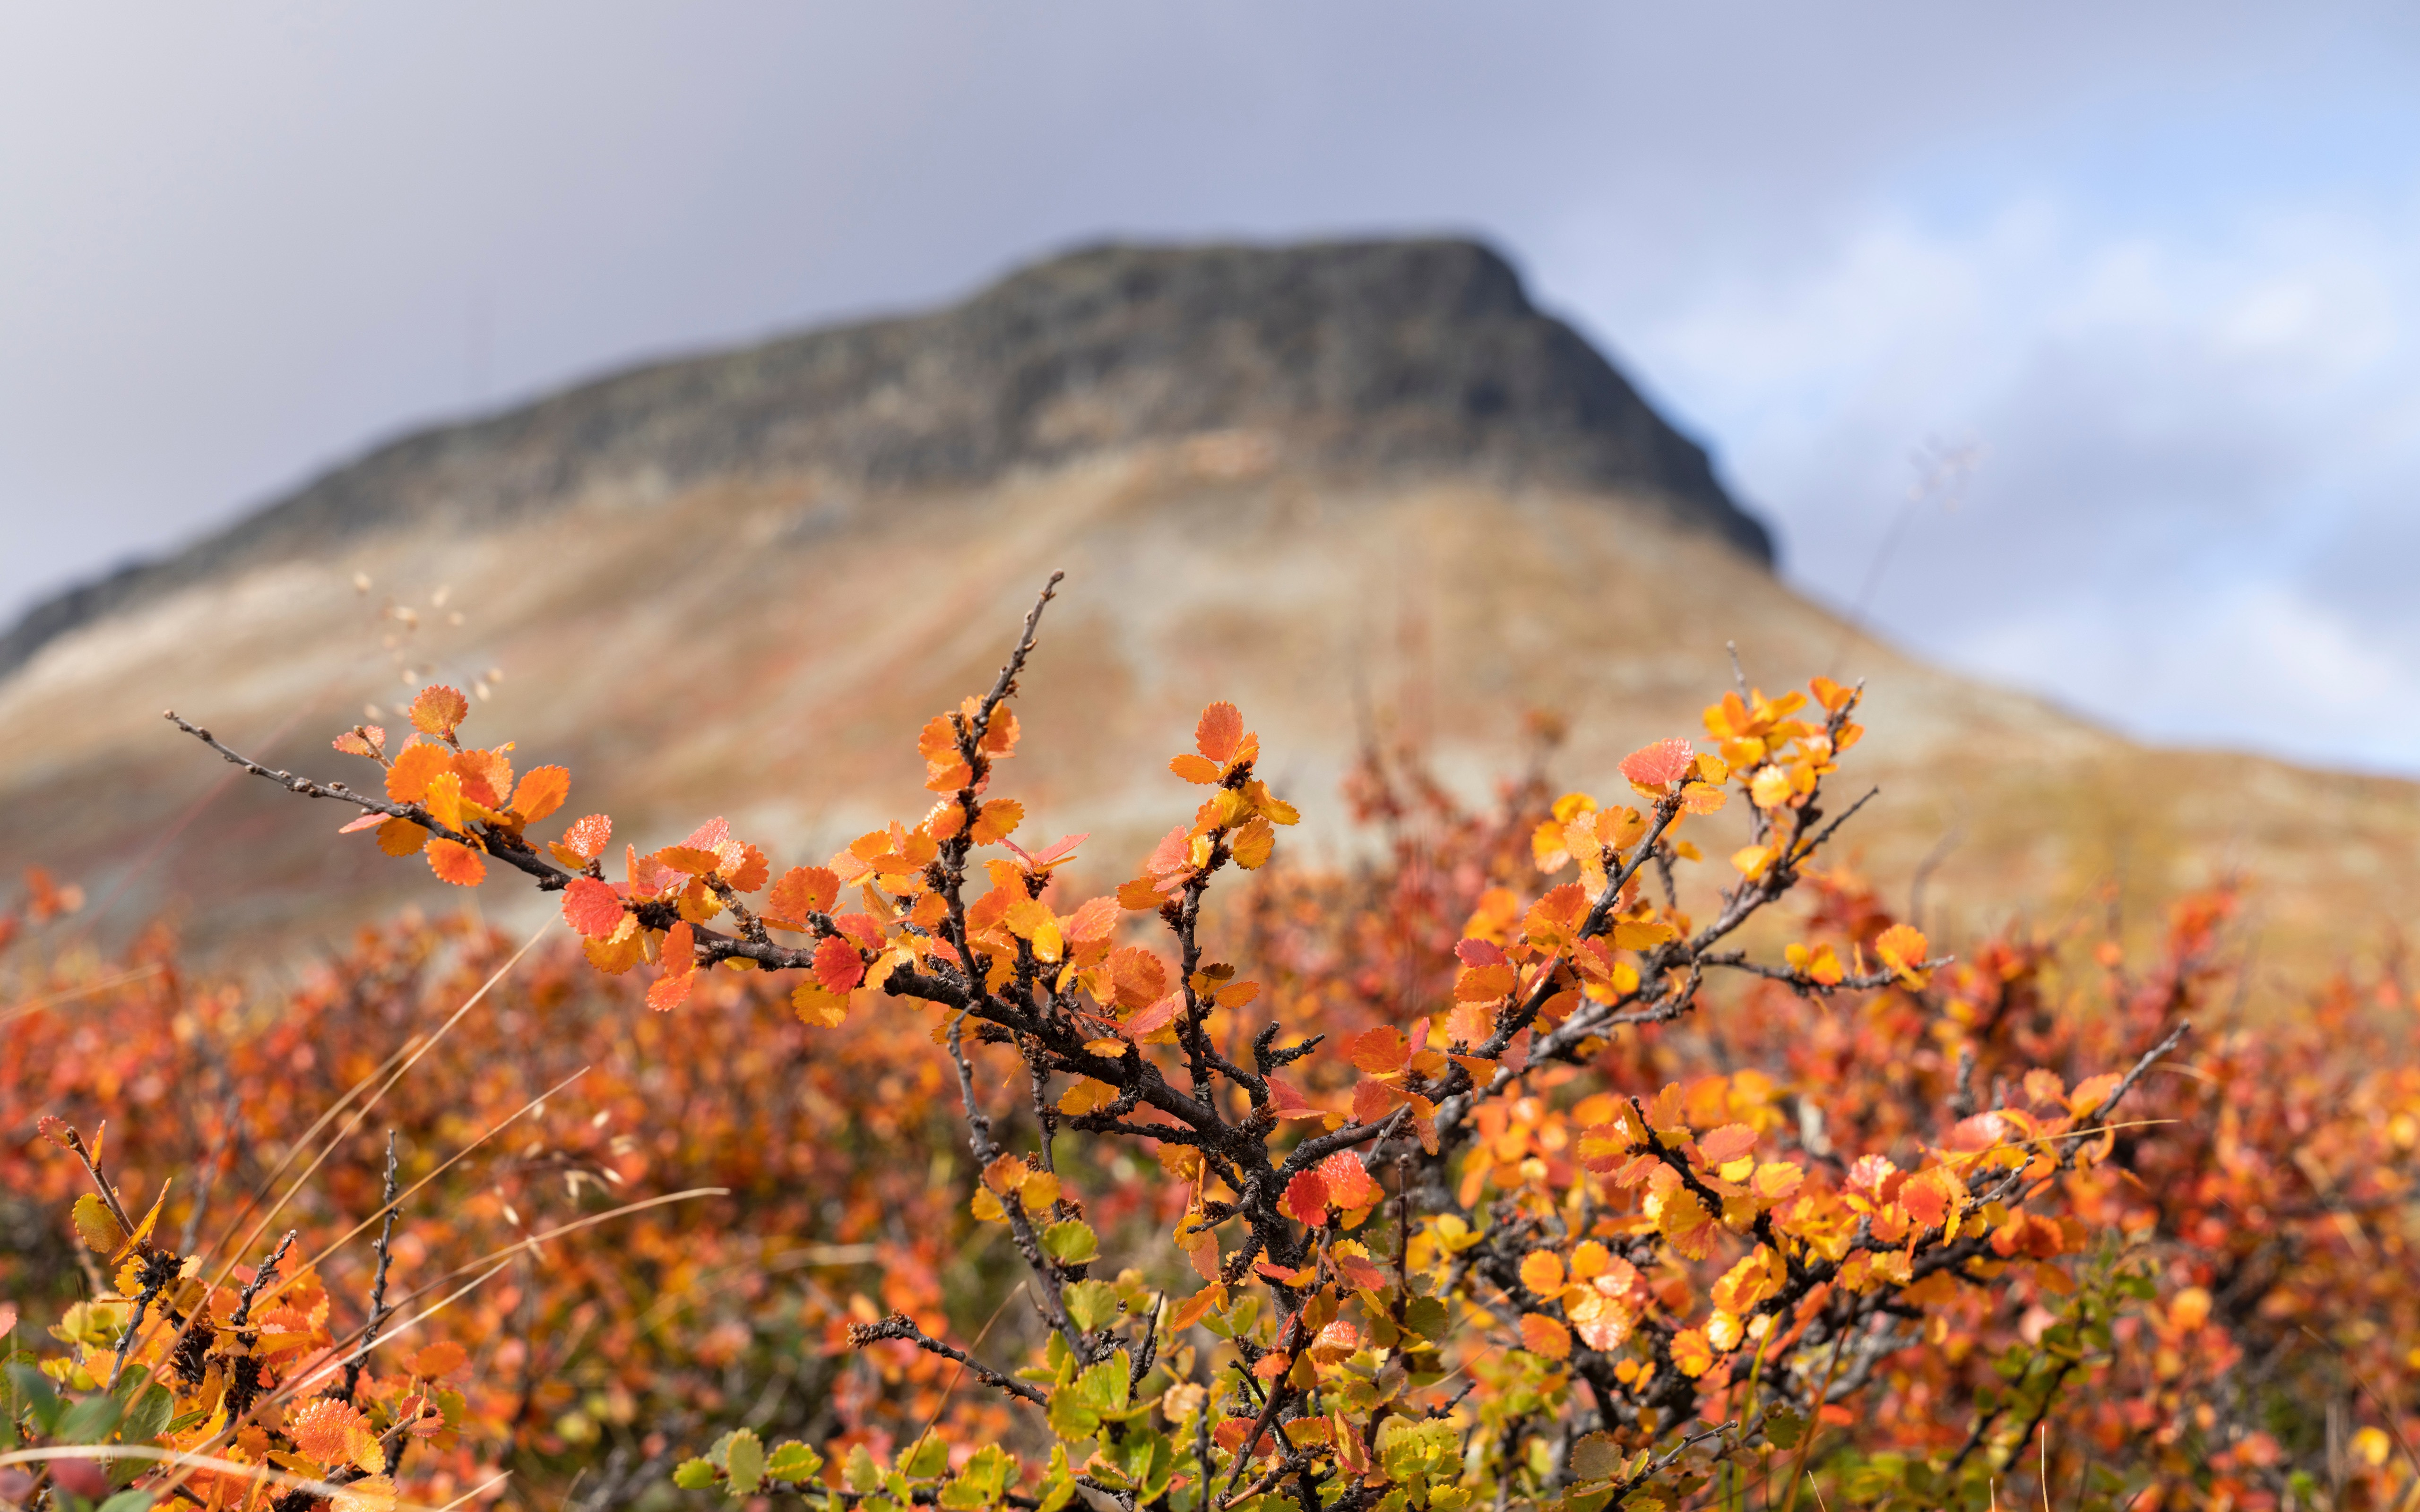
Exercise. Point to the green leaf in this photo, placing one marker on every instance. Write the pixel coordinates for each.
(927, 1458)
(1091, 1305)
(693, 1474)
(148, 1417)
(1596, 1458)
(1079, 1409)
(127, 1502)
(91, 1421)
(793, 1461)
(860, 1472)
(1784, 1427)
(743, 1458)
(1426, 1317)
(31, 1391)
(1071, 1242)
(981, 1480)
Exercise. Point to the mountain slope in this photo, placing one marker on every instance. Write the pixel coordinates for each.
(738, 585)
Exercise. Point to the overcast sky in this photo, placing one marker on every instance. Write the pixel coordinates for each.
(2153, 269)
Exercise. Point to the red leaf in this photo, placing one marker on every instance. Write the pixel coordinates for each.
(1349, 1185)
(1726, 1144)
(592, 907)
(670, 992)
(679, 954)
(1374, 1100)
(1306, 1199)
(586, 838)
(838, 967)
(1480, 953)
(1653, 767)
(1219, 731)
(1287, 1102)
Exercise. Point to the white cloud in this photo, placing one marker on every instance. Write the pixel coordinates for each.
(2200, 441)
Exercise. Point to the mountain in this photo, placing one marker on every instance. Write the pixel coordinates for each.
(1361, 489)
(1401, 356)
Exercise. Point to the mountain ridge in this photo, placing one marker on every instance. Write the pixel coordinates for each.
(1409, 356)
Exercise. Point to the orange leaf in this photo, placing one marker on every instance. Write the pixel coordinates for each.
(1542, 1335)
(407, 780)
(331, 1433)
(1219, 731)
(592, 907)
(1000, 736)
(803, 890)
(1691, 1354)
(998, 819)
(439, 1360)
(749, 872)
(1194, 768)
(487, 776)
(1903, 949)
(457, 864)
(1541, 1271)
(2091, 1092)
(541, 791)
(1092, 922)
(439, 711)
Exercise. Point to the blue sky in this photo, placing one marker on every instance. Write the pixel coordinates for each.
(2154, 268)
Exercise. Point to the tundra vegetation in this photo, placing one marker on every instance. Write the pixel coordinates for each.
(1479, 1173)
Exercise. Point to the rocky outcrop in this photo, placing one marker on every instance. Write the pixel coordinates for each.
(1417, 355)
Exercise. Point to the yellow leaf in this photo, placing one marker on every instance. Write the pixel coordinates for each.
(401, 837)
(818, 1007)
(1085, 1095)
(96, 1227)
(1254, 843)
(1770, 788)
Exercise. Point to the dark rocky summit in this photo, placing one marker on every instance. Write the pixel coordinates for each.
(1376, 355)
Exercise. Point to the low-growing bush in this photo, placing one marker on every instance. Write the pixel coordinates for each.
(1517, 1164)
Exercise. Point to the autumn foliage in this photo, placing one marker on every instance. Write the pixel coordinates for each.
(1588, 1149)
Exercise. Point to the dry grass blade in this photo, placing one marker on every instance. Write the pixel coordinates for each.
(69, 994)
(363, 1110)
